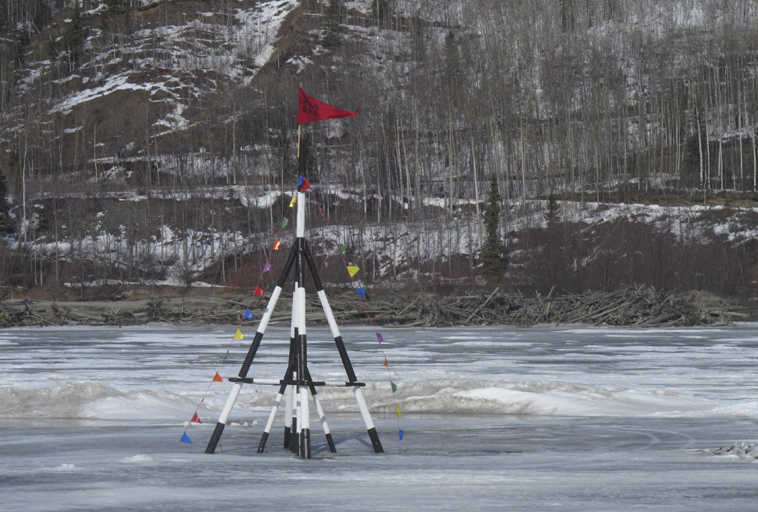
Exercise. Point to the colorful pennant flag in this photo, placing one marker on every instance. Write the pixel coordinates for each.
(238, 335)
(293, 201)
(195, 418)
(386, 363)
(186, 438)
(361, 292)
(398, 412)
(340, 248)
(311, 110)
(379, 338)
(258, 291)
(266, 267)
(218, 378)
(394, 387)
(285, 222)
(400, 434)
(277, 244)
(352, 270)
(302, 184)
(248, 314)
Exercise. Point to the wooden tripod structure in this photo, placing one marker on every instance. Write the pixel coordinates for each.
(296, 385)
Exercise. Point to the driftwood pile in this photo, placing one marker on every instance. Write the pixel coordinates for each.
(634, 307)
(638, 307)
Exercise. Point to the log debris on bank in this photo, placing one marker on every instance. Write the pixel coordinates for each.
(631, 307)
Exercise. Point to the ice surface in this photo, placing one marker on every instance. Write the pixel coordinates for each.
(493, 419)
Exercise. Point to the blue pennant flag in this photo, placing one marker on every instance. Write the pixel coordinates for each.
(300, 181)
(248, 314)
(186, 438)
(362, 292)
(400, 434)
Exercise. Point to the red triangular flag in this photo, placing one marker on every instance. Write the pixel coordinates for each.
(304, 185)
(311, 110)
(217, 378)
(386, 363)
(258, 291)
(195, 418)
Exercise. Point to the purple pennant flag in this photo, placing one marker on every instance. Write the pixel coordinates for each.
(267, 267)
(379, 338)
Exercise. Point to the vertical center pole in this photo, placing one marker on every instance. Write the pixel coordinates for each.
(304, 426)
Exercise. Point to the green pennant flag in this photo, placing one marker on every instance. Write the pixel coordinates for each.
(394, 387)
(341, 248)
(285, 222)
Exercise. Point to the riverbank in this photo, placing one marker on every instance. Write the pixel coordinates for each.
(638, 306)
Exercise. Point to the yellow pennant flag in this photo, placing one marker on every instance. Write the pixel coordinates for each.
(397, 411)
(352, 270)
(238, 335)
(293, 201)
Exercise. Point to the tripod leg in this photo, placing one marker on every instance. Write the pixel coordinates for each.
(372, 434)
(270, 422)
(321, 415)
(216, 436)
(274, 409)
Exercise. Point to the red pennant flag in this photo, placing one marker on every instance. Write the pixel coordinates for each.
(311, 110)
(258, 291)
(195, 418)
(304, 185)
(217, 378)
(386, 363)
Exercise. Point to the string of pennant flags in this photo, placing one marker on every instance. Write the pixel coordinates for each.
(247, 314)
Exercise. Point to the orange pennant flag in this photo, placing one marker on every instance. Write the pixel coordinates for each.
(195, 418)
(386, 363)
(217, 378)
(277, 245)
(258, 291)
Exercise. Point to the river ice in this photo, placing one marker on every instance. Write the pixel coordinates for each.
(493, 419)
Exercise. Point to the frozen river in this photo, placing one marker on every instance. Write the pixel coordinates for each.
(493, 419)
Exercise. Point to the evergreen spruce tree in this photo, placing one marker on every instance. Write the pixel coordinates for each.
(491, 253)
(6, 223)
(552, 216)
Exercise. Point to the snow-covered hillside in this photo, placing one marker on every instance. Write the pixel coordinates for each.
(157, 139)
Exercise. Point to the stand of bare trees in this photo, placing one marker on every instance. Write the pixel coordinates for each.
(585, 99)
